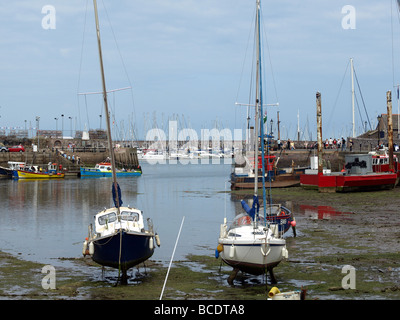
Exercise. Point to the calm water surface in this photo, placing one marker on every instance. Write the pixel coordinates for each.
(45, 220)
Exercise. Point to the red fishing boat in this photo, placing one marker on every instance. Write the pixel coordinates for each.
(357, 175)
(380, 161)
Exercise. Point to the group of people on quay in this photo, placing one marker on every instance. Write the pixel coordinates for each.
(335, 144)
(338, 144)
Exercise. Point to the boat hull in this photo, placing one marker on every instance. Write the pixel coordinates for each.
(135, 248)
(282, 180)
(5, 173)
(252, 257)
(88, 172)
(38, 175)
(283, 222)
(349, 183)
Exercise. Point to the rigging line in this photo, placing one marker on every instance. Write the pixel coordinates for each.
(116, 44)
(119, 254)
(115, 124)
(362, 98)
(337, 96)
(391, 28)
(248, 117)
(244, 61)
(392, 34)
(398, 18)
(261, 116)
(87, 114)
(264, 28)
(80, 63)
(398, 11)
(358, 108)
(121, 58)
(253, 67)
(101, 92)
(101, 113)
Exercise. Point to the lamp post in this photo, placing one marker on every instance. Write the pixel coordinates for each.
(37, 130)
(271, 133)
(62, 127)
(272, 122)
(56, 127)
(70, 118)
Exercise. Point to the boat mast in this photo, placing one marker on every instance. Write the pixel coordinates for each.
(390, 129)
(260, 100)
(319, 133)
(257, 109)
(106, 105)
(352, 95)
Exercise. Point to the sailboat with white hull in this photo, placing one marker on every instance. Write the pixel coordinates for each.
(251, 243)
(118, 239)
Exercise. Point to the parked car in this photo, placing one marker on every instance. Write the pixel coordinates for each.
(3, 148)
(18, 148)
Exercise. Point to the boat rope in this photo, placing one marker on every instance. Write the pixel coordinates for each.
(172, 257)
(265, 254)
(120, 254)
(103, 244)
(362, 98)
(80, 63)
(333, 110)
(264, 29)
(122, 62)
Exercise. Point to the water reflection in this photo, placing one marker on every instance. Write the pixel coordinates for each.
(321, 212)
(47, 219)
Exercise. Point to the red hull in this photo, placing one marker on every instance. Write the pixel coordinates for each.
(349, 183)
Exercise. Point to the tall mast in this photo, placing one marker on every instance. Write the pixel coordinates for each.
(261, 107)
(352, 95)
(319, 133)
(256, 130)
(390, 129)
(298, 125)
(106, 104)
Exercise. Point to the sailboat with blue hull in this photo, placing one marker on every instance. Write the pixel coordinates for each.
(118, 238)
(251, 243)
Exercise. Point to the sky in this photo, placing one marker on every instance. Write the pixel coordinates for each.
(190, 60)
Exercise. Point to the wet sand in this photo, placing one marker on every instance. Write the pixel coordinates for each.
(360, 230)
(334, 230)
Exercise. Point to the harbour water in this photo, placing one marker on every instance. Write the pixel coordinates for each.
(43, 221)
(46, 220)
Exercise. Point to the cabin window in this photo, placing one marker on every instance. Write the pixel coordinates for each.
(107, 218)
(129, 216)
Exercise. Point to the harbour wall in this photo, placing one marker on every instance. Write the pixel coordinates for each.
(82, 157)
(333, 159)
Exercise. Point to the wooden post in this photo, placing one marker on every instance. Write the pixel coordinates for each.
(279, 131)
(390, 129)
(319, 133)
